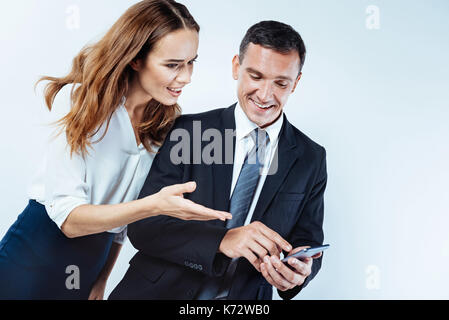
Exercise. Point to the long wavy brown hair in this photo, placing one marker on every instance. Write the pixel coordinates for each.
(101, 73)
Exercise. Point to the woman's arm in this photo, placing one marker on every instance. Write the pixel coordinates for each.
(92, 219)
(97, 291)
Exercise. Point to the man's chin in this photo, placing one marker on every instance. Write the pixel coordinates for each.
(259, 121)
(265, 121)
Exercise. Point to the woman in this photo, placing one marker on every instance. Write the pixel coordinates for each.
(123, 96)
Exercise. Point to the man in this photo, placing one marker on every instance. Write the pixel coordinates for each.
(276, 199)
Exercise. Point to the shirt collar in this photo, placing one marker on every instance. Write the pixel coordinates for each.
(244, 126)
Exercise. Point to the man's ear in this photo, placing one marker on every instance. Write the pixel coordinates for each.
(136, 64)
(296, 82)
(235, 67)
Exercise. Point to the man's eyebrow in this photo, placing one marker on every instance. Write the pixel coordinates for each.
(259, 74)
(251, 70)
(179, 60)
(284, 78)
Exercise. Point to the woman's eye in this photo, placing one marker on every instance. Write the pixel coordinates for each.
(172, 66)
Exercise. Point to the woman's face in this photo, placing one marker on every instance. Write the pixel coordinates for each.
(168, 67)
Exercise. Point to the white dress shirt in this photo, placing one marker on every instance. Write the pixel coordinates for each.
(113, 171)
(244, 144)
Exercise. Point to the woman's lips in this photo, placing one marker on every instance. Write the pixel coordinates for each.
(175, 92)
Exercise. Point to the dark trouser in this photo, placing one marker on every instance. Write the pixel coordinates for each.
(37, 261)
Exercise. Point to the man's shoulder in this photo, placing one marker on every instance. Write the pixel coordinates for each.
(212, 118)
(307, 144)
(206, 115)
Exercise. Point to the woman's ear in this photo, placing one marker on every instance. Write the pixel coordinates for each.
(136, 64)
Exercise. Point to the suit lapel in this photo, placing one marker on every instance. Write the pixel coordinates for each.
(287, 154)
(222, 173)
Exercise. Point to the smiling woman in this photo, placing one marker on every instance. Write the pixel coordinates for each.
(165, 78)
(118, 65)
(159, 79)
(123, 89)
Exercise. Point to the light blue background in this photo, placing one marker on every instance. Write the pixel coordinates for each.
(376, 99)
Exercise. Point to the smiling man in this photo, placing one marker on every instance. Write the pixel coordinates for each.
(266, 78)
(274, 211)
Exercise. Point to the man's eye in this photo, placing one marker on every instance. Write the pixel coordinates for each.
(282, 84)
(254, 77)
(192, 62)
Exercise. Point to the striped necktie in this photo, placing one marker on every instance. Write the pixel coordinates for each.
(241, 200)
(245, 188)
(243, 196)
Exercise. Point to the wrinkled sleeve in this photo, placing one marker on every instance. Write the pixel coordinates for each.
(65, 186)
(65, 176)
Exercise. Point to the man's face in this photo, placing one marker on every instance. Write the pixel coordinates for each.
(266, 78)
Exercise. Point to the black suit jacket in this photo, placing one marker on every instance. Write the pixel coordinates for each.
(176, 257)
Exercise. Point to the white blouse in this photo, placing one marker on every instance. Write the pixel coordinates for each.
(113, 171)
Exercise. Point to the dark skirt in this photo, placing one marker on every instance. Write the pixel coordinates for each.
(37, 261)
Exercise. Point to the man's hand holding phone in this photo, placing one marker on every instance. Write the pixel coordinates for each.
(285, 277)
(262, 247)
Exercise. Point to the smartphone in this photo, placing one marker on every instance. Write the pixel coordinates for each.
(307, 253)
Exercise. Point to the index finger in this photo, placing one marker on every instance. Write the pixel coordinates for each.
(273, 235)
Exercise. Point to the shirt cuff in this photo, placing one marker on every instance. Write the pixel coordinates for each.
(59, 210)
(120, 237)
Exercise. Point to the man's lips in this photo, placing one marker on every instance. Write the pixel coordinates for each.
(262, 106)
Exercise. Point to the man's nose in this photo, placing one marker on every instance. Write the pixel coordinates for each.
(265, 92)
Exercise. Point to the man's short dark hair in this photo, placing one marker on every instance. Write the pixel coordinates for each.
(274, 35)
